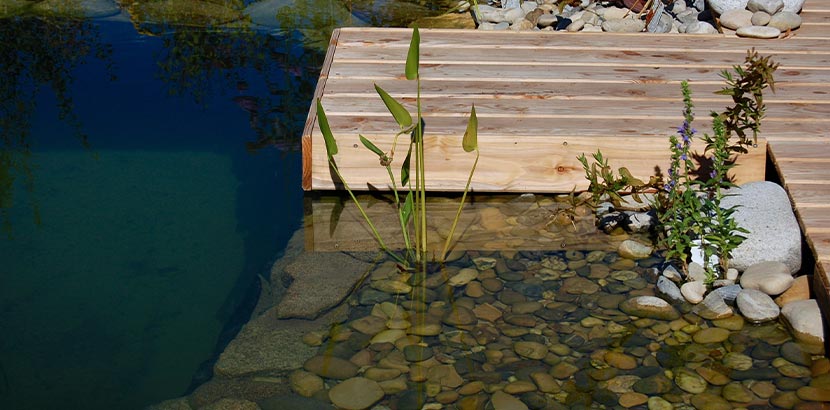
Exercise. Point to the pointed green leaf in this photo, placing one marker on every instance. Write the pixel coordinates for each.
(470, 140)
(408, 205)
(368, 144)
(402, 116)
(405, 167)
(323, 122)
(413, 55)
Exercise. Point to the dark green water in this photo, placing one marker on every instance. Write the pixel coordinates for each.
(145, 182)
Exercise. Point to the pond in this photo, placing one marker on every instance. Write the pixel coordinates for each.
(149, 174)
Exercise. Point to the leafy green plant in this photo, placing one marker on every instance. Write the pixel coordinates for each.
(411, 209)
(604, 183)
(746, 88)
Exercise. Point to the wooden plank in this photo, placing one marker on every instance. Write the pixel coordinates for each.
(632, 75)
(572, 108)
(810, 195)
(510, 164)
(311, 121)
(703, 58)
(543, 41)
(814, 221)
(670, 92)
(803, 172)
(504, 222)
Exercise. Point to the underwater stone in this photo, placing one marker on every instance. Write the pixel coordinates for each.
(649, 307)
(631, 249)
(713, 307)
(356, 393)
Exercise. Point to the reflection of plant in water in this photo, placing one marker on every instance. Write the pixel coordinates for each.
(205, 62)
(37, 52)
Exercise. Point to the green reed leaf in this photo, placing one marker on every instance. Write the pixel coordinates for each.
(405, 167)
(408, 206)
(372, 147)
(470, 140)
(413, 55)
(402, 116)
(323, 122)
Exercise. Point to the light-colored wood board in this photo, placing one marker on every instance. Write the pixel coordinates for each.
(509, 164)
(810, 195)
(814, 220)
(338, 87)
(632, 75)
(820, 243)
(803, 172)
(595, 125)
(491, 223)
(311, 121)
(575, 108)
(817, 149)
(570, 58)
(497, 40)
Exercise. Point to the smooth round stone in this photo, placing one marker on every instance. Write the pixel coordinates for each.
(649, 307)
(788, 383)
(653, 385)
(398, 324)
(735, 19)
(459, 316)
(447, 397)
(578, 285)
(784, 400)
(804, 318)
(629, 248)
(813, 394)
(519, 387)
(501, 400)
(474, 289)
(463, 277)
(708, 401)
(545, 382)
(772, 278)
(631, 399)
(659, 403)
(765, 373)
(713, 307)
(331, 367)
(492, 284)
(379, 374)
(425, 329)
(563, 370)
(530, 350)
(624, 26)
(785, 20)
(356, 393)
(520, 320)
(526, 307)
(730, 323)
(305, 383)
(794, 370)
(621, 384)
(369, 325)
(690, 381)
(620, 361)
(756, 306)
(795, 354)
(712, 376)
(388, 336)
(758, 32)
(760, 18)
(736, 392)
(471, 388)
(591, 321)
(711, 335)
(737, 361)
(693, 291)
(763, 389)
(417, 353)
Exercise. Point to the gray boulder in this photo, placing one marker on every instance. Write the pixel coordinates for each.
(721, 6)
(757, 306)
(764, 209)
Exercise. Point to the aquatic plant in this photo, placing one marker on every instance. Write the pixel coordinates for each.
(688, 204)
(412, 209)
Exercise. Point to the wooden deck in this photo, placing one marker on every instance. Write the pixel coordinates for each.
(544, 98)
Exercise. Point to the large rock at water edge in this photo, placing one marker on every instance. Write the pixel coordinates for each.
(757, 306)
(805, 319)
(764, 209)
(320, 281)
(772, 278)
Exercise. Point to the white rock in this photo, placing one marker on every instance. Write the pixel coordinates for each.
(701, 27)
(760, 18)
(805, 319)
(785, 20)
(764, 209)
(735, 19)
(632, 249)
(529, 6)
(768, 6)
(732, 274)
(696, 272)
(613, 13)
(721, 6)
(575, 25)
(758, 32)
(693, 291)
(623, 26)
(757, 306)
(772, 278)
(514, 14)
(546, 20)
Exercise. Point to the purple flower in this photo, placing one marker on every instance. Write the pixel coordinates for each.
(683, 157)
(713, 174)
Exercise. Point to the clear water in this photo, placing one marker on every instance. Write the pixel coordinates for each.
(146, 182)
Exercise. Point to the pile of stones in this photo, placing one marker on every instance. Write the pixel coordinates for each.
(753, 18)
